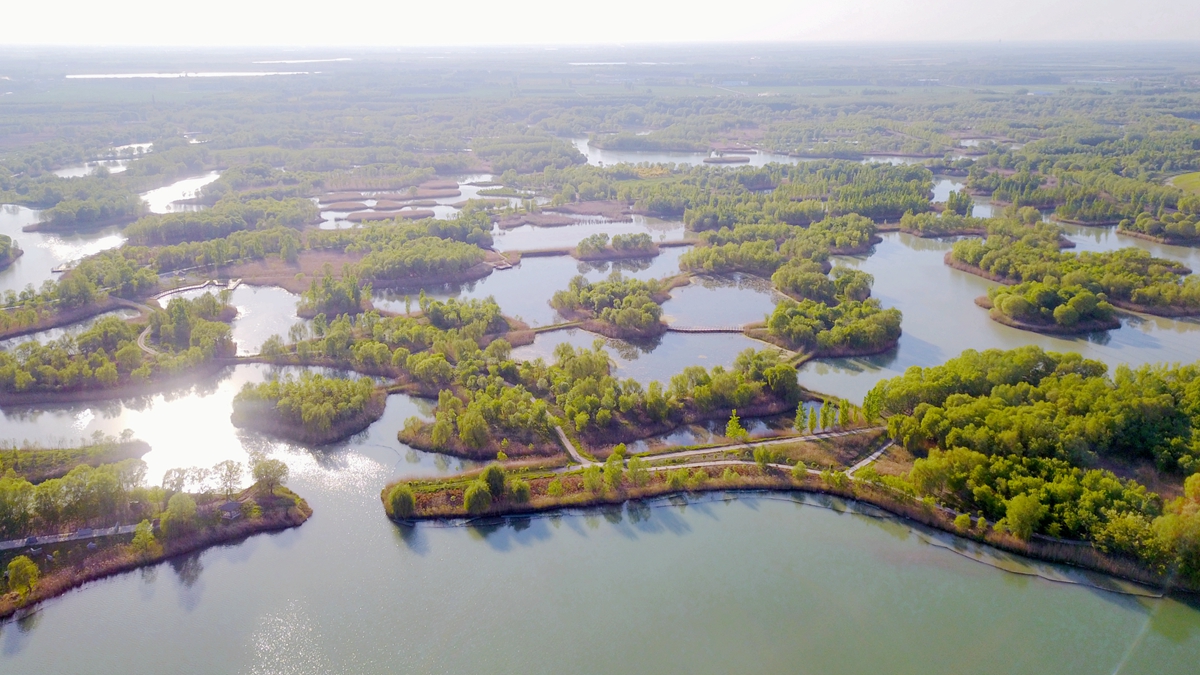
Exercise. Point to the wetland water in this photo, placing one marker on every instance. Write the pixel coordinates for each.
(758, 584)
(46, 250)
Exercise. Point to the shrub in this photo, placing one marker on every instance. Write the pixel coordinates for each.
(799, 472)
(476, 497)
(520, 491)
(763, 457)
(592, 479)
(962, 523)
(555, 488)
(677, 479)
(23, 575)
(493, 478)
(401, 501)
(143, 543)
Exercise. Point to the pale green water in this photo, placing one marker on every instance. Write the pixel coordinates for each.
(941, 319)
(760, 584)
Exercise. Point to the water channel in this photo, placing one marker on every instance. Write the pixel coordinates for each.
(754, 583)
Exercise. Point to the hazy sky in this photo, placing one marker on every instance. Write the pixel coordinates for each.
(475, 22)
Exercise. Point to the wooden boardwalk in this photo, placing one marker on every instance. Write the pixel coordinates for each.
(706, 329)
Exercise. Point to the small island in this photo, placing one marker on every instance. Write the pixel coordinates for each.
(617, 307)
(9, 251)
(310, 409)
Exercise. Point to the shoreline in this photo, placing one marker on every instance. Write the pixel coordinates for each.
(127, 390)
(111, 564)
(1081, 328)
(1186, 243)
(1080, 555)
(261, 416)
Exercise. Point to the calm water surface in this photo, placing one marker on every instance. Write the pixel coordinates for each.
(755, 584)
(44, 250)
(941, 320)
(162, 200)
(525, 290)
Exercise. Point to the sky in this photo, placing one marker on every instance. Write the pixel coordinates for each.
(405, 23)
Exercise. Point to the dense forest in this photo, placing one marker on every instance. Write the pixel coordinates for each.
(1017, 437)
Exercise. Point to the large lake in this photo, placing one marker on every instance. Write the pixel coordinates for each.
(749, 583)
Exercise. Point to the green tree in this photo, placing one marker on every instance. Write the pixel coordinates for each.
(639, 471)
(476, 497)
(472, 428)
(520, 491)
(614, 470)
(144, 544)
(734, 429)
(593, 479)
(229, 476)
(1023, 514)
(401, 501)
(269, 473)
(801, 418)
(180, 515)
(23, 575)
(493, 478)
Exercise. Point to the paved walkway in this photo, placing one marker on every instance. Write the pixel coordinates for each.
(874, 456)
(72, 536)
(766, 442)
(570, 447)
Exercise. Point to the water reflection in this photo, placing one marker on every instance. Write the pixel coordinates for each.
(941, 320)
(162, 200)
(43, 251)
(648, 361)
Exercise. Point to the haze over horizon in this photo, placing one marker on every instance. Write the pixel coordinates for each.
(368, 23)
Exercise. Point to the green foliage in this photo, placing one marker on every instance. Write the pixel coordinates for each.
(763, 457)
(1023, 514)
(23, 575)
(180, 517)
(959, 203)
(187, 324)
(1021, 254)
(614, 471)
(144, 544)
(851, 326)
(401, 502)
(82, 495)
(734, 429)
(627, 304)
(520, 491)
(1042, 404)
(269, 473)
(313, 401)
(1035, 302)
(477, 498)
(334, 296)
(227, 216)
(593, 479)
(493, 478)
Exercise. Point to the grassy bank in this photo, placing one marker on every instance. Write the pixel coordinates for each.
(278, 509)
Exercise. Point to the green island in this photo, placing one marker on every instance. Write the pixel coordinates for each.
(98, 519)
(310, 409)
